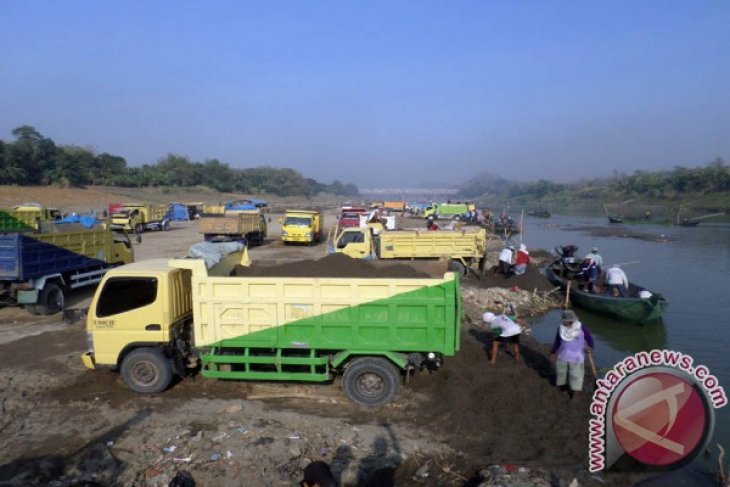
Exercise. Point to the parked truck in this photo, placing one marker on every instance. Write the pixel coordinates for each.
(233, 226)
(302, 226)
(139, 217)
(462, 248)
(395, 205)
(28, 216)
(37, 269)
(157, 319)
(350, 216)
(448, 210)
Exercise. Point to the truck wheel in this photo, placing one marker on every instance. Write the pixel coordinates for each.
(147, 370)
(165, 226)
(50, 299)
(370, 381)
(457, 267)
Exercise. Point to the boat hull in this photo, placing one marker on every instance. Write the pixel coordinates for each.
(629, 309)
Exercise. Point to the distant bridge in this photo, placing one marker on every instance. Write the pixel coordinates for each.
(408, 191)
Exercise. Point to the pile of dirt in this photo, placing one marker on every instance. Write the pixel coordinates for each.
(333, 265)
(532, 279)
(504, 413)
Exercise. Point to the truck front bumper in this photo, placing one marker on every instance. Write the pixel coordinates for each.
(88, 360)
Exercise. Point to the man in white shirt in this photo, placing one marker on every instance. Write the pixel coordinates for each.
(505, 260)
(507, 331)
(616, 280)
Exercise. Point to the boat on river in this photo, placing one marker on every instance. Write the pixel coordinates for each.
(633, 308)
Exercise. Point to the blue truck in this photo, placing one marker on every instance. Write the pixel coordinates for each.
(38, 268)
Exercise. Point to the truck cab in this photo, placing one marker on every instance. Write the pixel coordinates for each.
(138, 320)
(355, 242)
(302, 226)
(350, 217)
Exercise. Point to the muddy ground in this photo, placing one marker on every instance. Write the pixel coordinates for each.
(64, 425)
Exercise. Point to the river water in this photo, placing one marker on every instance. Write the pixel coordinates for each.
(691, 270)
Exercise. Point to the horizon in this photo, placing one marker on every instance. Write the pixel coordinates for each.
(379, 94)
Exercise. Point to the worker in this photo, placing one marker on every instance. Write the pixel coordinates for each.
(521, 261)
(616, 281)
(506, 330)
(505, 260)
(568, 352)
(587, 275)
(432, 225)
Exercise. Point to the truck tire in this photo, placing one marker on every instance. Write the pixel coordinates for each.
(165, 226)
(50, 299)
(370, 381)
(457, 267)
(147, 370)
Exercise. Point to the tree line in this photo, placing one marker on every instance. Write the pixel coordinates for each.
(32, 159)
(714, 177)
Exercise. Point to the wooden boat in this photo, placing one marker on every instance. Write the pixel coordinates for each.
(539, 213)
(632, 308)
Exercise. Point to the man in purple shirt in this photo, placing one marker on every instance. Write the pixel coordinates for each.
(570, 342)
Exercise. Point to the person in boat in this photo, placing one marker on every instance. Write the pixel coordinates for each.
(506, 330)
(595, 269)
(505, 261)
(587, 275)
(521, 261)
(568, 352)
(617, 284)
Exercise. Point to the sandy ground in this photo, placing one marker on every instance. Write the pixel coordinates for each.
(64, 425)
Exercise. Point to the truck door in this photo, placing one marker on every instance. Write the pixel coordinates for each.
(354, 244)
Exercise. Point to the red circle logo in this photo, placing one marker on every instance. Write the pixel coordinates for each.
(659, 418)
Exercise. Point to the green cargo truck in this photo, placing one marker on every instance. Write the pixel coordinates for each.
(448, 210)
(28, 216)
(156, 319)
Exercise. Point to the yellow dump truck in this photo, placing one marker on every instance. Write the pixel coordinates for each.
(157, 319)
(37, 269)
(302, 226)
(233, 226)
(462, 248)
(27, 216)
(139, 217)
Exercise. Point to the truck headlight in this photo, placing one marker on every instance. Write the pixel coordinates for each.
(284, 234)
(309, 235)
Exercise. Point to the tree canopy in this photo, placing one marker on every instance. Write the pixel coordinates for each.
(32, 159)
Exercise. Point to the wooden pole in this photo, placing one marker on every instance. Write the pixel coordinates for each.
(567, 294)
(522, 227)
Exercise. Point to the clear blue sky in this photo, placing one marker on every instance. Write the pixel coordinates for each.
(377, 91)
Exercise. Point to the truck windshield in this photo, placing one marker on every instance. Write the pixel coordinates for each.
(122, 294)
(350, 216)
(298, 221)
(350, 237)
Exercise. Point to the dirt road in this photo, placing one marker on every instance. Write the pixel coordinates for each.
(63, 425)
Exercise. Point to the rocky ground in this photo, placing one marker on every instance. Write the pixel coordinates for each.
(63, 425)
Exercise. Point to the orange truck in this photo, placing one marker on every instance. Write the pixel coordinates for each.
(394, 205)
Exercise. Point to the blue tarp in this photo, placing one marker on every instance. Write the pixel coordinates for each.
(87, 221)
(178, 212)
(249, 204)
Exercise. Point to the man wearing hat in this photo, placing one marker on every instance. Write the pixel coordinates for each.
(506, 331)
(570, 342)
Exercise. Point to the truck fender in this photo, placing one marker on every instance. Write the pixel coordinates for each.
(399, 359)
(40, 283)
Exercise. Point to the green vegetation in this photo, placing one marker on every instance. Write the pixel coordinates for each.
(33, 159)
(705, 188)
